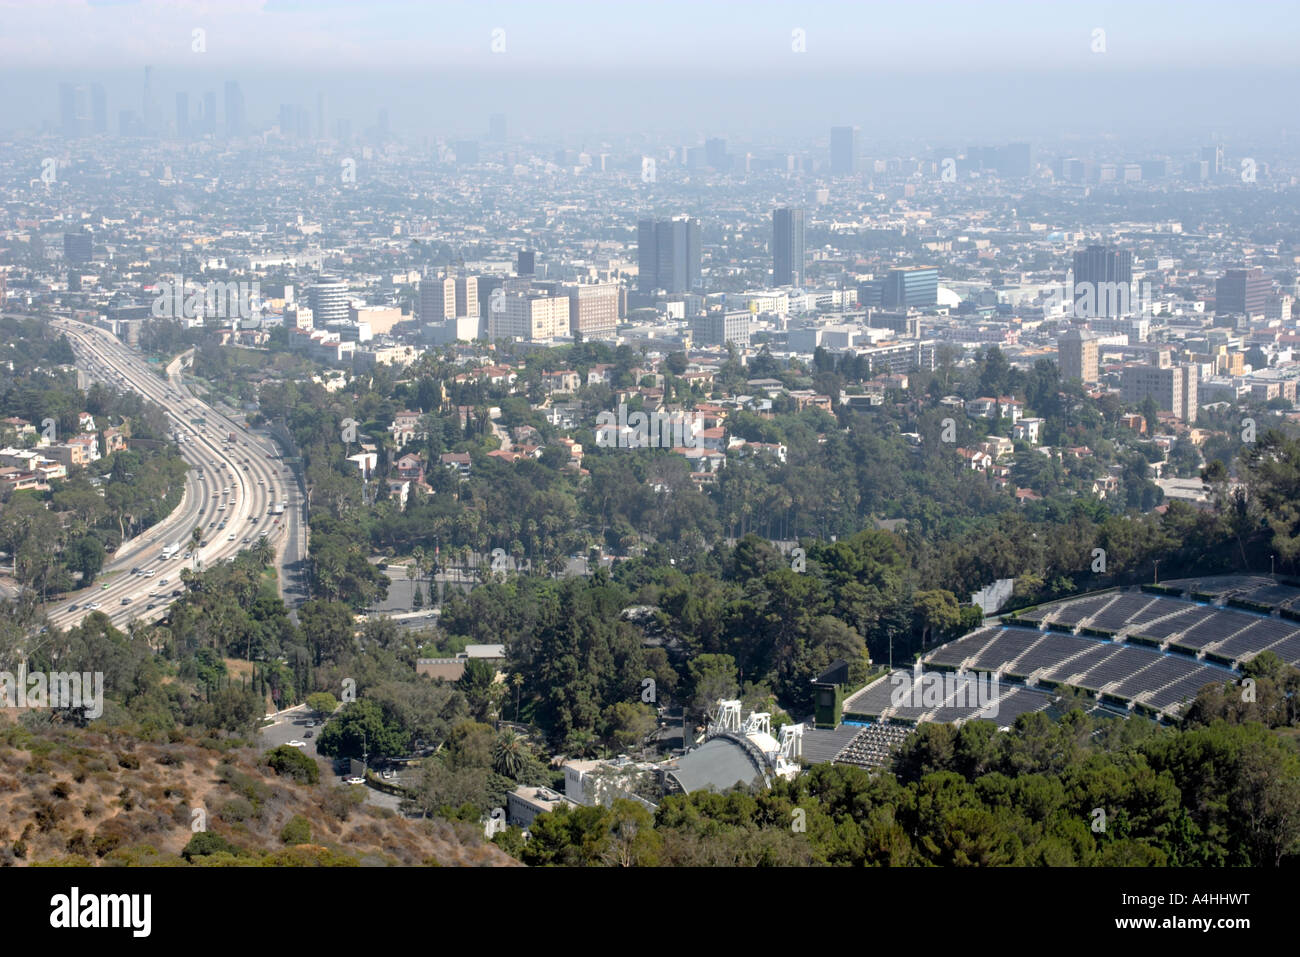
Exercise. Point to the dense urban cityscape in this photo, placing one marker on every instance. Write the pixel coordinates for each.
(376, 496)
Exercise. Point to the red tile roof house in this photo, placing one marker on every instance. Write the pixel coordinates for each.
(976, 460)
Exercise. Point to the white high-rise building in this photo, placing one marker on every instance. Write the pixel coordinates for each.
(329, 300)
(531, 316)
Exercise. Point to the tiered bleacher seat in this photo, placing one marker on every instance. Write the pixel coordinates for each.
(1080, 663)
(1074, 611)
(1264, 633)
(1051, 651)
(873, 746)
(1185, 617)
(1122, 663)
(1216, 626)
(1125, 611)
(1006, 647)
(955, 652)
(1164, 671)
(1173, 695)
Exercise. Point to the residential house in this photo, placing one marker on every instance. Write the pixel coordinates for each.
(460, 461)
(410, 468)
(566, 380)
(1028, 430)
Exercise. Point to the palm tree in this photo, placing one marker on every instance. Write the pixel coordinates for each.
(517, 679)
(509, 755)
(263, 551)
(196, 536)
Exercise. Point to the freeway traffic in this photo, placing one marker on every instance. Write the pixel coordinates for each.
(230, 492)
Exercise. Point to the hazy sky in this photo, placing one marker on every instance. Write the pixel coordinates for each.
(942, 69)
(749, 34)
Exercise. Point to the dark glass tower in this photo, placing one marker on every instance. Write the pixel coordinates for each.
(787, 247)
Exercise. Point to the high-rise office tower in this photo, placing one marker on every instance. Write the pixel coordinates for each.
(593, 308)
(182, 115)
(234, 109)
(447, 297)
(1103, 282)
(1174, 388)
(1076, 353)
(383, 124)
(715, 153)
(98, 109)
(842, 150)
(1242, 291)
(1012, 160)
(320, 116)
(497, 128)
(526, 262)
(328, 299)
(78, 247)
(787, 247)
(911, 287)
(74, 109)
(531, 315)
(668, 254)
(1214, 156)
(209, 125)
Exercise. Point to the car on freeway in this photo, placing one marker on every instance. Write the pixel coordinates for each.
(164, 581)
(126, 600)
(72, 607)
(93, 606)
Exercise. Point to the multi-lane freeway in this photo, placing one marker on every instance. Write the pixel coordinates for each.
(235, 492)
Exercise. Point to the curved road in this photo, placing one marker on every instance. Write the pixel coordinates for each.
(237, 483)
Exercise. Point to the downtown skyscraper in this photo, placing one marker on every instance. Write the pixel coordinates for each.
(788, 255)
(1103, 280)
(668, 254)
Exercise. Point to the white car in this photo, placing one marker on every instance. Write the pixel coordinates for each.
(295, 743)
(356, 780)
(230, 537)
